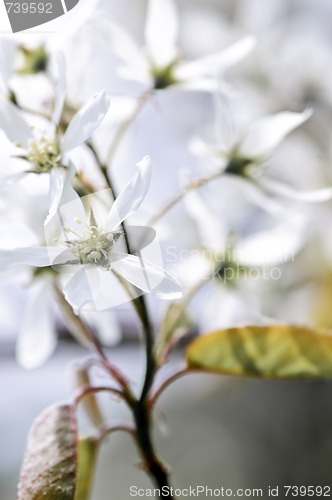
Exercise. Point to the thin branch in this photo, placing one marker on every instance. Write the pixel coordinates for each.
(195, 184)
(151, 365)
(151, 463)
(139, 303)
(166, 383)
(140, 407)
(84, 391)
(103, 168)
(119, 427)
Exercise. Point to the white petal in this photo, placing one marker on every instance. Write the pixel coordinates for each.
(215, 63)
(140, 75)
(71, 204)
(66, 262)
(85, 122)
(87, 14)
(223, 306)
(227, 130)
(55, 193)
(120, 41)
(62, 192)
(7, 54)
(11, 179)
(199, 147)
(274, 246)
(140, 237)
(37, 336)
(79, 289)
(269, 131)
(212, 230)
(30, 256)
(201, 85)
(106, 325)
(132, 195)
(254, 193)
(205, 84)
(147, 277)
(13, 124)
(212, 152)
(284, 191)
(107, 293)
(59, 72)
(161, 31)
(66, 209)
(195, 268)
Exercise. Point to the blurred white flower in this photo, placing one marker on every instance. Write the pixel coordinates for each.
(25, 68)
(159, 64)
(243, 158)
(44, 150)
(37, 329)
(87, 250)
(37, 336)
(26, 59)
(232, 265)
(242, 152)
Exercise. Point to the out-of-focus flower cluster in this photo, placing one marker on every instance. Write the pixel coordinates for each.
(239, 140)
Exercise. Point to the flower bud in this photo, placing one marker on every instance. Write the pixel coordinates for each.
(89, 402)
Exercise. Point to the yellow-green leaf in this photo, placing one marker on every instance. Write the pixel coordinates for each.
(49, 465)
(271, 351)
(87, 456)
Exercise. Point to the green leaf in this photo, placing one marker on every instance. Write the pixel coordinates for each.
(271, 351)
(49, 465)
(87, 457)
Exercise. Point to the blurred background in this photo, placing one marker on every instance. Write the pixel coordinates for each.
(219, 432)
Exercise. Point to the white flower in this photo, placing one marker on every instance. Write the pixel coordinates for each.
(88, 250)
(37, 332)
(37, 336)
(27, 59)
(159, 65)
(234, 267)
(43, 148)
(24, 68)
(46, 149)
(270, 247)
(243, 159)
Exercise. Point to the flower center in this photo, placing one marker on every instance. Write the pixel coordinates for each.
(242, 166)
(239, 166)
(95, 248)
(34, 60)
(44, 154)
(164, 76)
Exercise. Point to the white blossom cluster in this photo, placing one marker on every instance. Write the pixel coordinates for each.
(66, 144)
